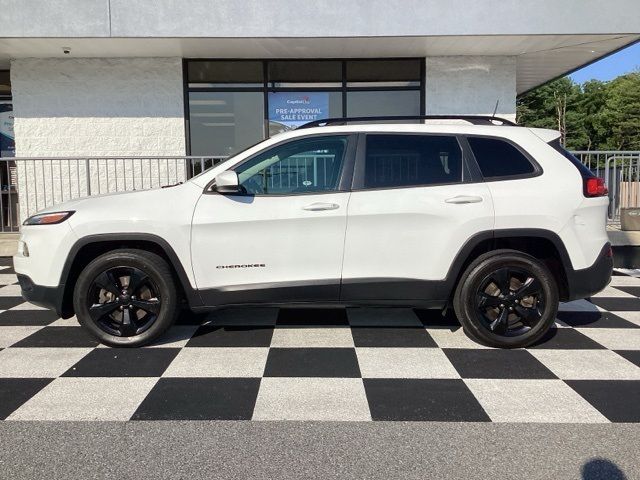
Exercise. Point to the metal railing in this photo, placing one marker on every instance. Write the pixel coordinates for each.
(31, 184)
(621, 173)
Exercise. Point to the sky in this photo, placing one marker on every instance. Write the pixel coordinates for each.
(624, 61)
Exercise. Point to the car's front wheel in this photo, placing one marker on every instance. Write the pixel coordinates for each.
(126, 297)
(506, 299)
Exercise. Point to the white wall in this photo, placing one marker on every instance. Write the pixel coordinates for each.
(95, 107)
(72, 107)
(471, 85)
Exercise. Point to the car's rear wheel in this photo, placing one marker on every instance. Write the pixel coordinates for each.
(126, 297)
(506, 299)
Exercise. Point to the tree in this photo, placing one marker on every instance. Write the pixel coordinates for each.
(593, 116)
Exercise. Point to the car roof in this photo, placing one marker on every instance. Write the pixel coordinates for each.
(453, 127)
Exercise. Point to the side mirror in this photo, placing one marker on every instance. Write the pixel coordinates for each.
(227, 182)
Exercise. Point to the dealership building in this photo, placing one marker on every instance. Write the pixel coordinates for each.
(140, 79)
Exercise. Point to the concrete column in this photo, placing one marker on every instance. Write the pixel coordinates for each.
(471, 85)
(81, 107)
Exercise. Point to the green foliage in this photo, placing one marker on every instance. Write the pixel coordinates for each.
(593, 116)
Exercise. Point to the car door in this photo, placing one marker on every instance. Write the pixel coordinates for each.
(414, 204)
(282, 239)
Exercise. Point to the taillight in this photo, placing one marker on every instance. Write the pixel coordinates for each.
(595, 187)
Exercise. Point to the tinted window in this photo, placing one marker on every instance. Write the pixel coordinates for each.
(310, 165)
(229, 72)
(406, 160)
(223, 123)
(498, 158)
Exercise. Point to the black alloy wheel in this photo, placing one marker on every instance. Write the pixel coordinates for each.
(506, 299)
(126, 297)
(124, 301)
(510, 301)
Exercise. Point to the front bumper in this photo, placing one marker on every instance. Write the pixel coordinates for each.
(588, 281)
(46, 297)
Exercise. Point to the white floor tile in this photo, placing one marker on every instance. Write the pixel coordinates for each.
(218, 362)
(102, 399)
(548, 401)
(405, 363)
(39, 362)
(11, 291)
(340, 399)
(302, 337)
(446, 338)
(587, 364)
(11, 335)
(614, 338)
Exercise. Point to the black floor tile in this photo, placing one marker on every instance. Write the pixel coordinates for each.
(120, 362)
(635, 291)
(215, 336)
(16, 391)
(618, 400)
(6, 261)
(391, 337)
(423, 400)
(617, 304)
(594, 320)
(632, 355)
(434, 318)
(312, 316)
(312, 362)
(566, 338)
(27, 317)
(479, 363)
(58, 337)
(9, 302)
(200, 399)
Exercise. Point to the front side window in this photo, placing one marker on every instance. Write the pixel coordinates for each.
(497, 158)
(310, 165)
(412, 160)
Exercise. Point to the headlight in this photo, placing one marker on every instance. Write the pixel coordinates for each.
(48, 218)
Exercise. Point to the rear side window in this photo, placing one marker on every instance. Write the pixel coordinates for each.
(497, 158)
(412, 160)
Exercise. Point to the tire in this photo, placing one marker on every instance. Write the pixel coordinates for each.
(493, 317)
(133, 318)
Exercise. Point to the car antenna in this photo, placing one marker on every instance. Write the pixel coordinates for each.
(495, 110)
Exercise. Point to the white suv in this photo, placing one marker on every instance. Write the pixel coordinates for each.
(497, 221)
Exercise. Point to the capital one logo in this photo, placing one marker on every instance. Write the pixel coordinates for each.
(304, 100)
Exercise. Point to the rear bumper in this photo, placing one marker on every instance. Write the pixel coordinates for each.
(46, 297)
(588, 281)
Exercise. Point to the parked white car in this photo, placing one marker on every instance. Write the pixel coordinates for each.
(497, 221)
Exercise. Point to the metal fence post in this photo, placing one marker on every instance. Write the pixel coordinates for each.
(86, 166)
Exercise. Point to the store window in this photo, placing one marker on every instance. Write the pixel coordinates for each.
(8, 177)
(234, 103)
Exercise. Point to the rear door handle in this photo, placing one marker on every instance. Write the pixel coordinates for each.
(319, 206)
(462, 199)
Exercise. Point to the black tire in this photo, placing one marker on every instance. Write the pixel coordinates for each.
(126, 320)
(495, 318)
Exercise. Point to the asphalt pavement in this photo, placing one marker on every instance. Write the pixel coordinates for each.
(295, 450)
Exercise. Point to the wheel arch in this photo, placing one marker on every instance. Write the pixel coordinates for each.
(539, 243)
(92, 246)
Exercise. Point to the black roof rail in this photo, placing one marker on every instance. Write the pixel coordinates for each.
(473, 119)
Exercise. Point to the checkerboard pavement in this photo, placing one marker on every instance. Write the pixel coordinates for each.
(324, 364)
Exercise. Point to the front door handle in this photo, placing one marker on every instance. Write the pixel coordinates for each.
(462, 199)
(319, 206)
